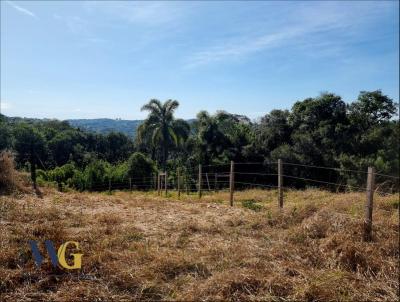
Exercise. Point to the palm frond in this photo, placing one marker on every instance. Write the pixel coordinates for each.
(173, 136)
(154, 106)
(170, 106)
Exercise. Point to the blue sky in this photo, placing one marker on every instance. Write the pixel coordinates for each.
(106, 59)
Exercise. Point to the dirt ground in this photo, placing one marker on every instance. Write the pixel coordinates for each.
(138, 246)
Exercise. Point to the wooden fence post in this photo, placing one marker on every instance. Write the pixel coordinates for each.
(179, 182)
(166, 183)
(130, 184)
(199, 188)
(215, 183)
(158, 184)
(231, 183)
(280, 183)
(155, 182)
(186, 183)
(208, 182)
(109, 185)
(369, 204)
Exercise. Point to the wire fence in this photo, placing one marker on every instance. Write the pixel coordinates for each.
(249, 175)
(266, 175)
(279, 176)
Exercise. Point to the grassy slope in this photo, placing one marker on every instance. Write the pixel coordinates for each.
(138, 246)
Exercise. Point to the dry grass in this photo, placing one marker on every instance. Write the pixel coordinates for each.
(140, 247)
(11, 181)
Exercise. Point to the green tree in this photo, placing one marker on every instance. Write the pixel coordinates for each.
(30, 146)
(119, 146)
(140, 168)
(5, 133)
(97, 174)
(220, 137)
(161, 128)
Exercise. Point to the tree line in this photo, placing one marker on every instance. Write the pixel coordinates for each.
(320, 131)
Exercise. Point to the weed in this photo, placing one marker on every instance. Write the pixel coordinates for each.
(252, 205)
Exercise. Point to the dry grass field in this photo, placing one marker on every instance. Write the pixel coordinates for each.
(138, 246)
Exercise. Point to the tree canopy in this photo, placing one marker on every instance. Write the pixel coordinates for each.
(324, 131)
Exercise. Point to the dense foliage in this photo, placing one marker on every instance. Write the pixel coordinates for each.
(106, 125)
(321, 131)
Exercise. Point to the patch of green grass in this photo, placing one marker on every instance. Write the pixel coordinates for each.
(252, 205)
(134, 236)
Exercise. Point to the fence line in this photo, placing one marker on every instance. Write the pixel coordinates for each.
(385, 175)
(253, 184)
(250, 173)
(322, 182)
(192, 180)
(200, 183)
(327, 168)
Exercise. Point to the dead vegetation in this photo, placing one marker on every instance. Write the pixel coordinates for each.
(11, 181)
(140, 247)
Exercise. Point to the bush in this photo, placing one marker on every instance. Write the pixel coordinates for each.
(252, 205)
(97, 174)
(119, 173)
(140, 168)
(77, 181)
(61, 175)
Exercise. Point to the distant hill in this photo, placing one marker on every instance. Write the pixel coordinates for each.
(106, 125)
(99, 125)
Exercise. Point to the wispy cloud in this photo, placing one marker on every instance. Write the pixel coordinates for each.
(241, 46)
(21, 9)
(307, 26)
(141, 13)
(75, 24)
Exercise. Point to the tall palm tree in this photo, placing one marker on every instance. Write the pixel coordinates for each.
(161, 128)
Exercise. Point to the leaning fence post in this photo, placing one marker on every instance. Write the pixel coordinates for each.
(158, 184)
(215, 183)
(166, 181)
(199, 188)
(179, 182)
(369, 204)
(280, 183)
(130, 184)
(231, 183)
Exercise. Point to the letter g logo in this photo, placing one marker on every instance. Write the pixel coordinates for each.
(76, 256)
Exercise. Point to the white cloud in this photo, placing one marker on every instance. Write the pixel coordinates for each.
(242, 46)
(144, 13)
(307, 26)
(75, 24)
(21, 9)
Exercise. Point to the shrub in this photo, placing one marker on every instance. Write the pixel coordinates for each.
(62, 175)
(140, 167)
(77, 181)
(252, 205)
(97, 173)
